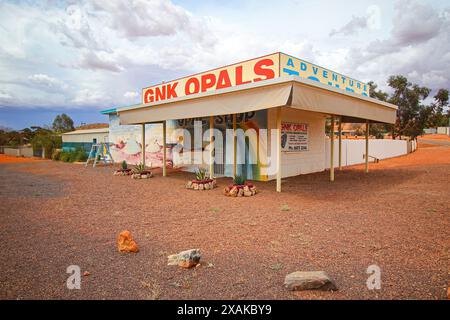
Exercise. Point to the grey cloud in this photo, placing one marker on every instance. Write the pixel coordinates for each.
(47, 82)
(92, 61)
(351, 27)
(75, 29)
(418, 47)
(142, 18)
(415, 22)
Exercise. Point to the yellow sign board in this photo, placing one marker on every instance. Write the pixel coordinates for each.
(291, 66)
(254, 70)
(250, 71)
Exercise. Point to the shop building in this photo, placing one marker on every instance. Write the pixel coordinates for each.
(268, 118)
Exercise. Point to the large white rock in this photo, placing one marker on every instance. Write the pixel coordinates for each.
(309, 280)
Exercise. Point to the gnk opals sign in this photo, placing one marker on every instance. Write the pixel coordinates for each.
(294, 137)
(254, 70)
(251, 71)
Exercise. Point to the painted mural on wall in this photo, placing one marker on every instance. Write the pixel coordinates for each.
(125, 143)
(250, 164)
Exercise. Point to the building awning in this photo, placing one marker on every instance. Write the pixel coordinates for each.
(291, 91)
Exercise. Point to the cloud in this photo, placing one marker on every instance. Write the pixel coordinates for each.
(418, 46)
(89, 97)
(96, 53)
(144, 18)
(5, 96)
(45, 81)
(415, 23)
(131, 94)
(74, 28)
(99, 61)
(371, 20)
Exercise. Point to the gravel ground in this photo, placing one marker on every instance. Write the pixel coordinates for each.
(54, 215)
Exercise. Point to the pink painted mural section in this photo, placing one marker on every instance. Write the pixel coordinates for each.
(125, 143)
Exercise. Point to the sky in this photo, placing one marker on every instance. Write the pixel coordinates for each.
(80, 57)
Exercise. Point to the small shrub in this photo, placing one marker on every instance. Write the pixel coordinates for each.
(124, 165)
(73, 156)
(80, 155)
(56, 155)
(239, 180)
(200, 174)
(139, 168)
(64, 156)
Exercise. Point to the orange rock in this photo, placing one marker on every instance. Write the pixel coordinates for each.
(125, 242)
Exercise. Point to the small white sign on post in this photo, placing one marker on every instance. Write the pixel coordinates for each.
(294, 137)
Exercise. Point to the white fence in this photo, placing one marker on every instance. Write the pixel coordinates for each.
(353, 150)
(443, 130)
(18, 151)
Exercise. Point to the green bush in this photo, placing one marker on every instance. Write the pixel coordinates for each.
(201, 175)
(64, 156)
(56, 154)
(239, 180)
(139, 168)
(81, 155)
(124, 165)
(71, 156)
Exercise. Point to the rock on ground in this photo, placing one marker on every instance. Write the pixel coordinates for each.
(185, 259)
(300, 280)
(125, 242)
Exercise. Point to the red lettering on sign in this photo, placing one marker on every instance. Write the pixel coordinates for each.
(160, 93)
(239, 76)
(223, 81)
(261, 71)
(208, 81)
(171, 93)
(148, 96)
(187, 87)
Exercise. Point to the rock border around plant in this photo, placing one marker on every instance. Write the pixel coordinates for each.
(201, 184)
(142, 175)
(243, 190)
(122, 172)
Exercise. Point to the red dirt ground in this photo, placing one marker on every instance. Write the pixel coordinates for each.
(56, 214)
(436, 137)
(9, 159)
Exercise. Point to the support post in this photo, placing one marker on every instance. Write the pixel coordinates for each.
(340, 143)
(332, 150)
(234, 146)
(278, 142)
(164, 149)
(211, 147)
(143, 144)
(367, 147)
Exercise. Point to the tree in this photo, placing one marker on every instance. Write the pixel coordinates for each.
(378, 129)
(63, 123)
(45, 139)
(438, 118)
(412, 115)
(377, 94)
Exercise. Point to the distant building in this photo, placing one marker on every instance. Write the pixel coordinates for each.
(84, 138)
